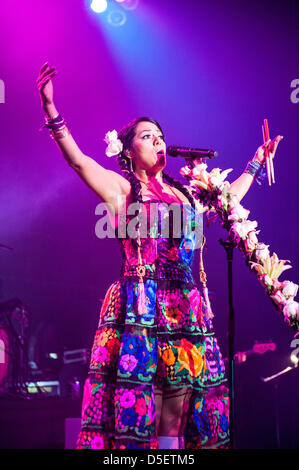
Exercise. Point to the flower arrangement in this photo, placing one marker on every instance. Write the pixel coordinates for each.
(211, 189)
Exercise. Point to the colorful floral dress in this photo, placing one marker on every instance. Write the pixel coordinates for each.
(170, 345)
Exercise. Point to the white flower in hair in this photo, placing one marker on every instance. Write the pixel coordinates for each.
(115, 146)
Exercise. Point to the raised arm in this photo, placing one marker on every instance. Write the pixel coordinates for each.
(107, 184)
(242, 184)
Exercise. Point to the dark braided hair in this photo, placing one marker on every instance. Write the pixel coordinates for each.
(126, 136)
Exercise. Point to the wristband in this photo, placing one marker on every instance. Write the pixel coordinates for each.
(58, 134)
(53, 124)
(256, 170)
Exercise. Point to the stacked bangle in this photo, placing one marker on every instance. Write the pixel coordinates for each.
(57, 127)
(256, 170)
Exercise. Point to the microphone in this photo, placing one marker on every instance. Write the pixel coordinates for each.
(190, 153)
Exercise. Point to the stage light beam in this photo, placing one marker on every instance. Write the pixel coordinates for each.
(99, 6)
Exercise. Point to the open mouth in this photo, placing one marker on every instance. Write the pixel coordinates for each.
(161, 157)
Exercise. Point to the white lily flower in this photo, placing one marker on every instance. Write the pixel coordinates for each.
(238, 213)
(243, 228)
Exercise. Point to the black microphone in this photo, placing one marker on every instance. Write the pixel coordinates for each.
(190, 153)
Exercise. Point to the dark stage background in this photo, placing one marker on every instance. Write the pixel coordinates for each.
(209, 72)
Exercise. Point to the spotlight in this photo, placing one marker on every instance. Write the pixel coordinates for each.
(99, 6)
(117, 18)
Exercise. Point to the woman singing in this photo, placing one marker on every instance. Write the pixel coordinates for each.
(156, 376)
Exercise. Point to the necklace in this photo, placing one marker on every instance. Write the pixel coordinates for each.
(152, 189)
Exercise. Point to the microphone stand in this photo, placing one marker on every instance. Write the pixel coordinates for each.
(276, 383)
(228, 245)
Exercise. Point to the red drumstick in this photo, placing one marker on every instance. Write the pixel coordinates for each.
(267, 157)
(269, 161)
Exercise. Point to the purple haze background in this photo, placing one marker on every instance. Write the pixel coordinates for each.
(209, 72)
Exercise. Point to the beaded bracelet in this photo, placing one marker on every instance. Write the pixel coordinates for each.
(53, 123)
(59, 133)
(57, 127)
(256, 170)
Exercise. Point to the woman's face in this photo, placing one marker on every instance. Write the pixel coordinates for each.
(148, 149)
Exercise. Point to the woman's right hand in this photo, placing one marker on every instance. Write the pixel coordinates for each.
(45, 86)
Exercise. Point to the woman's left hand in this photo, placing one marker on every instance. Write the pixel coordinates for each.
(271, 145)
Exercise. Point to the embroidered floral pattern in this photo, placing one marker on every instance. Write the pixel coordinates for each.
(172, 344)
(210, 419)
